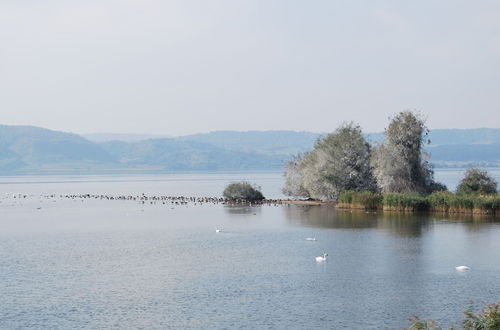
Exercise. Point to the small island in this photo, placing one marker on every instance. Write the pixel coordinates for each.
(346, 170)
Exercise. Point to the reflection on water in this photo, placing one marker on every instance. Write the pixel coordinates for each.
(328, 217)
(103, 264)
(404, 225)
(243, 209)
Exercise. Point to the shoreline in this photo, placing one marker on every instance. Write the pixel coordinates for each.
(184, 200)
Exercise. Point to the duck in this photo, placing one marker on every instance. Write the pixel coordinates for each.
(462, 268)
(321, 259)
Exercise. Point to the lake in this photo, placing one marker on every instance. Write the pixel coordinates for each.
(80, 263)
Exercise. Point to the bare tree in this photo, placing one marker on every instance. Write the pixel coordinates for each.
(294, 185)
(400, 164)
(339, 162)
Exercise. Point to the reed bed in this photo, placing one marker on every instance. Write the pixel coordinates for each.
(445, 202)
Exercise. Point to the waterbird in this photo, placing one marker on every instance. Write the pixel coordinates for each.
(462, 268)
(311, 239)
(218, 230)
(321, 259)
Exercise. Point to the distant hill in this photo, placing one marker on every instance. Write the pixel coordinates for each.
(465, 136)
(266, 142)
(125, 137)
(34, 150)
(459, 155)
(174, 155)
(454, 136)
(460, 147)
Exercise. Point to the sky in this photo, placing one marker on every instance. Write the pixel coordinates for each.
(183, 66)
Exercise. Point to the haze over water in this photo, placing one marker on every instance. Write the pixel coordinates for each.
(80, 263)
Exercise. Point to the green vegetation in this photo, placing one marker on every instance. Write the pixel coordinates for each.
(486, 319)
(405, 202)
(477, 181)
(436, 202)
(365, 199)
(243, 191)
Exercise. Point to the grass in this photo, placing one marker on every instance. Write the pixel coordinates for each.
(436, 202)
(364, 199)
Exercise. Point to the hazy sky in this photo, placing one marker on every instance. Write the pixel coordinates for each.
(179, 67)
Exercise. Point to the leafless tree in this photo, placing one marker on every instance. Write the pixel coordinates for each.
(400, 164)
(339, 162)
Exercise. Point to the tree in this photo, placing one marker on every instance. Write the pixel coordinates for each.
(339, 162)
(242, 191)
(477, 181)
(400, 164)
(294, 178)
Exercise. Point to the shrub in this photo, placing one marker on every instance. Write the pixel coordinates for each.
(477, 181)
(437, 186)
(242, 191)
(486, 319)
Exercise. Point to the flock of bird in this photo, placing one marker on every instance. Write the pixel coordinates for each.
(172, 200)
(143, 199)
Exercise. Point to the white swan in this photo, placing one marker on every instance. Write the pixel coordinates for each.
(218, 230)
(311, 239)
(321, 259)
(462, 268)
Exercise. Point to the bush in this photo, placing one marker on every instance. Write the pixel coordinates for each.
(486, 319)
(477, 181)
(242, 191)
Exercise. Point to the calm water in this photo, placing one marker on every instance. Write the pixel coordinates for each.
(73, 263)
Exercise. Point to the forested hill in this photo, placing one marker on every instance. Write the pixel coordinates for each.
(34, 150)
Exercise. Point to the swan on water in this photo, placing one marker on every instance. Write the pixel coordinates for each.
(462, 268)
(218, 230)
(321, 259)
(311, 239)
